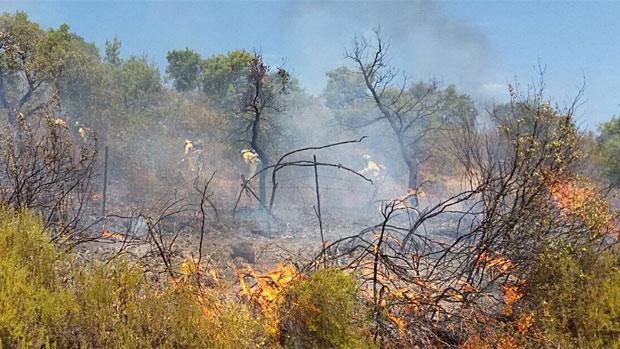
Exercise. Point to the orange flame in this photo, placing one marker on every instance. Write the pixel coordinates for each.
(107, 234)
(265, 291)
(512, 293)
(578, 200)
(495, 261)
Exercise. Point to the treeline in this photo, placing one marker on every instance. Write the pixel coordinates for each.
(127, 102)
(131, 109)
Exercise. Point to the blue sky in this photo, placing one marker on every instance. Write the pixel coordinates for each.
(479, 46)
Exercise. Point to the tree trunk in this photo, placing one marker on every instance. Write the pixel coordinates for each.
(264, 160)
(11, 117)
(412, 167)
(262, 178)
(413, 181)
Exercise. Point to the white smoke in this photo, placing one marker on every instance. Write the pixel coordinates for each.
(425, 42)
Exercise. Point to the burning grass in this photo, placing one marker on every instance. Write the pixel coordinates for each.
(48, 298)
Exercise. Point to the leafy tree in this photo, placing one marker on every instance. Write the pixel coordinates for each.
(30, 58)
(344, 87)
(112, 51)
(138, 82)
(609, 142)
(184, 69)
(84, 85)
(224, 77)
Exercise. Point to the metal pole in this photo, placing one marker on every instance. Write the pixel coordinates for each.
(318, 202)
(105, 181)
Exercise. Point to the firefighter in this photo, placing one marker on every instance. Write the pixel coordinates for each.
(187, 155)
(251, 158)
(81, 131)
(189, 146)
(376, 172)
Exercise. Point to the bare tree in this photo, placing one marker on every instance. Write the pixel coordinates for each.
(407, 110)
(44, 170)
(259, 99)
(202, 188)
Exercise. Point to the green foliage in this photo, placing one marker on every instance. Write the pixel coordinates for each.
(184, 69)
(320, 312)
(48, 300)
(609, 143)
(118, 308)
(33, 301)
(576, 297)
(224, 76)
(40, 54)
(221, 77)
(344, 87)
(29, 58)
(83, 82)
(138, 83)
(112, 51)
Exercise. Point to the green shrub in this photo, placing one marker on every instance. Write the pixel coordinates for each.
(33, 300)
(321, 311)
(46, 300)
(575, 293)
(121, 309)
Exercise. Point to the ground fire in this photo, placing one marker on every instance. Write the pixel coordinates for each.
(302, 174)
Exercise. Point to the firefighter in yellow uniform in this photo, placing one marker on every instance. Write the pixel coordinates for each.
(189, 147)
(376, 172)
(251, 158)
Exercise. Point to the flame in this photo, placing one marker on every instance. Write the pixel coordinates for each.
(107, 234)
(524, 323)
(265, 291)
(578, 200)
(400, 323)
(495, 261)
(512, 293)
(267, 286)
